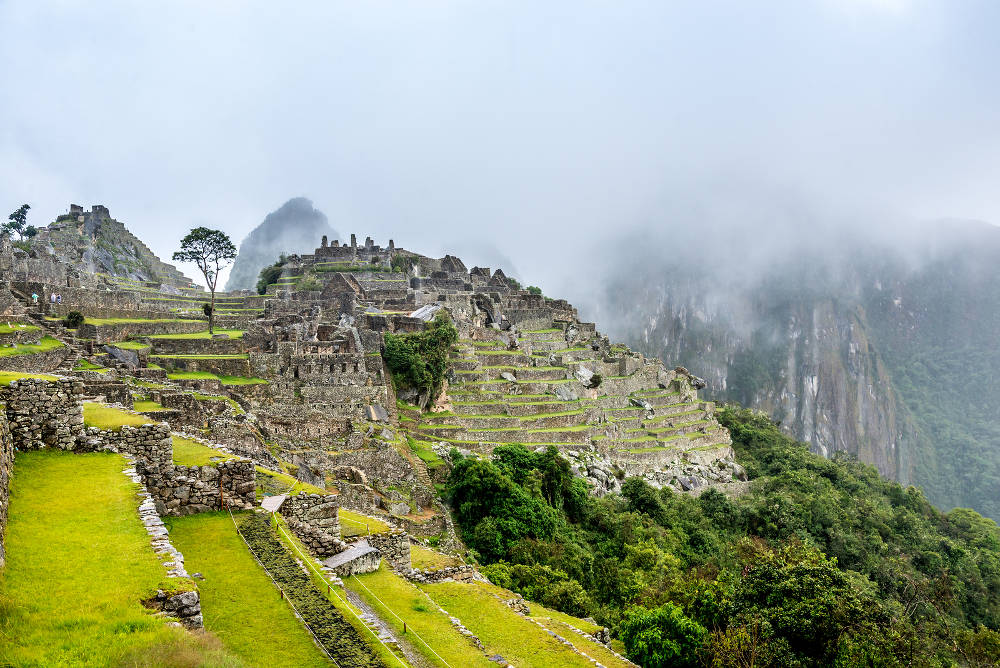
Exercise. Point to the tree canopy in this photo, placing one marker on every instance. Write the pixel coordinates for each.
(211, 251)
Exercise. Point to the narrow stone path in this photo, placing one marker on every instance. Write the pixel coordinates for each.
(399, 644)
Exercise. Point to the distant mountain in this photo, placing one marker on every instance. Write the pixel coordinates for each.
(885, 349)
(295, 227)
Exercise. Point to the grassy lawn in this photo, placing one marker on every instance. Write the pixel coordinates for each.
(129, 345)
(46, 343)
(281, 482)
(388, 593)
(502, 630)
(122, 321)
(6, 328)
(103, 416)
(192, 375)
(87, 365)
(356, 524)
(422, 557)
(240, 603)
(193, 453)
(7, 376)
(147, 406)
(231, 333)
(78, 564)
(242, 380)
(201, 357)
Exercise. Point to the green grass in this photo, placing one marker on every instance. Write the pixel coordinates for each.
(232, 333)
(122, 321)
(394, 598)
(240, 603)
(9, 329)
(502, 630)
(130, 345)
(200, 357)
(103, 416)
(192, 375)
(143, 406)
(78, 564)
(87, 365)
(193, 453)
(356, 524)
(422, 557)
(7, 376)
(45, 344)
(242, 380)
(285, 482)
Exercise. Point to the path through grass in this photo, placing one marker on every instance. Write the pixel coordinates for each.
(78, 564)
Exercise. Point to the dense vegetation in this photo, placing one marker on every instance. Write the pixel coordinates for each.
(270, 274)
(419, 360)
(822, 563)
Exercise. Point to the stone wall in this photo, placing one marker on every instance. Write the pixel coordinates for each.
(395, 548)
(124, 330)
(186, 490)
(318, 511)
(44, 413)
(6, 471)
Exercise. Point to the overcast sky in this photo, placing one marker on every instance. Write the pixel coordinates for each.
(537, 128)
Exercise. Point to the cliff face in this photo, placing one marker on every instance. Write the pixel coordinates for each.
(888, 354)
(295, 227)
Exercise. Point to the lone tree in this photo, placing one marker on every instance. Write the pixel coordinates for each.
(18, 221)
(211, 250)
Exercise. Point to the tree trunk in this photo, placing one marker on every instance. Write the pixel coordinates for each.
(211, 315)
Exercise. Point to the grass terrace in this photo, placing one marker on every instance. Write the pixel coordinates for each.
(231, 333)
(7, 328)
(423, 557)
(123, 321)
(200, 357)
(356, 524)
(87, 365)
(188, 452)
(92, 580)
(130, 345)
(282, 483)
(44, 345)
(240, 603)
(502, 630)
(395, 599)
(7, 376)
(144, 406)
(104, 416)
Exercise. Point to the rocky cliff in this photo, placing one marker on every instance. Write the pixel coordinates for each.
(293, 228)
(885, 352)
(92, 242)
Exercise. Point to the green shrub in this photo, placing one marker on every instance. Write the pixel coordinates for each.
(662, 637)
(73, 320)
(419, 360)
(308, 282)
(534, 289)
(403, 263)
(207, 308)
(270, 274)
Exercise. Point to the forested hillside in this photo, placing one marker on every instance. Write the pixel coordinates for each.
(823, 562)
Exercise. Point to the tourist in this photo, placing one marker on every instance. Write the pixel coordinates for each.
(58, 299)
(34, 297)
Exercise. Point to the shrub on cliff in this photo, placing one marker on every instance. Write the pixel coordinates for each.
(418, 361)
(73, 320)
